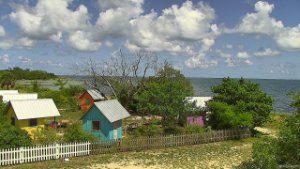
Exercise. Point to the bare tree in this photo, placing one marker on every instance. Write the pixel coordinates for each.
(124, 74)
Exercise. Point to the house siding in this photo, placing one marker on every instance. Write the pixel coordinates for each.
(24, 124)
(106, 131)
(83, 104)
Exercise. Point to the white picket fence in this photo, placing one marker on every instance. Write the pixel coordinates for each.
(43, 152)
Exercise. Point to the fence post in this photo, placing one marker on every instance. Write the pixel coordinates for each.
(57, 151)
(88, 148)
(21, 151)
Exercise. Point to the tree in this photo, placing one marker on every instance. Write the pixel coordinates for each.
(123, 75)
(164, 95)
(61, 83)
(244, 97)
(226, 116)
(8, 80)
(284, 151)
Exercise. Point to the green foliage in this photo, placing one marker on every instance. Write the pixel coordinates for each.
(46, 136)
(289, 141)
(8, 80)
(173, 130)
(164, 95)
(75, 133)
(60, 83)
(27, 74)
(12, 137)
(285, 151)
(244, 97)
(193, 129)
(226, 116)
(147, 130)
(263, 156)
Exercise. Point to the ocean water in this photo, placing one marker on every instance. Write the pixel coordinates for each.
(277, 89)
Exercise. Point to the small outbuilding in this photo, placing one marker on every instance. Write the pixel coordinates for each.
(19, 96)
(87, 99)
(2, 92)
(30, 115)
(104, 119)
(200, 102)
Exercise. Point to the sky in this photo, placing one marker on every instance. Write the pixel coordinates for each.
(209, 38)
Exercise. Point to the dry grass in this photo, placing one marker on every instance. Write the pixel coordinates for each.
(214, 155)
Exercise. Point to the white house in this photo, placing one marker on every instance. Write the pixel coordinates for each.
(199, 101)
(2, 92)
(19, 96)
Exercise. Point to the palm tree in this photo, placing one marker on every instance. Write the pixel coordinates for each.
(8, 81)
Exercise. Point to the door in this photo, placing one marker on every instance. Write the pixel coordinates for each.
(116, 125)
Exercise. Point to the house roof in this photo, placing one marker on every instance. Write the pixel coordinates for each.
(112, 110)
(95, 94)
(20, 96)
(200, 101)
(2, 92)
(38, 108)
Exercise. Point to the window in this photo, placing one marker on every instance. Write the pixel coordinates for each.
(96, 125)
(87, 101)
(32, 122)
(13, 122)
(116, 124)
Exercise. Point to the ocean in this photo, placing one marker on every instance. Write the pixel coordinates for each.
(277, 89)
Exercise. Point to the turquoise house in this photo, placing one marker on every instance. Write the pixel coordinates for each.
(104, 119)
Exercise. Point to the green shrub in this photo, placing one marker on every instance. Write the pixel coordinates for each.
(75, 133)
(147, 130)
(193, 129)
(173, 130)
(12, 137)
(263, 156)
(46, 136)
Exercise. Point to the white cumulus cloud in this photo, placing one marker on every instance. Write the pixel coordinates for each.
(266, 52)
(2, 31)
(48, 18)
(260, 21)
(6, 44)
(81, 41)
(4, 59)
(242, 55)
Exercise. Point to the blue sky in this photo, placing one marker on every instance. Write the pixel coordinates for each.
(212, 38)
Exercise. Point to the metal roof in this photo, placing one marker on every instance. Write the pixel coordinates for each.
(29, 109)
(2, 92)
(21, 96)
(200, 101)
(96, 94)
(112, 110)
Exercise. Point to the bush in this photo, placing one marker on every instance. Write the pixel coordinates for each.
(46, 136)
(147, 130)
(263, 156)
(75, 133)
(12, 137)
(226, 116)
(193, 129)
(173, 130)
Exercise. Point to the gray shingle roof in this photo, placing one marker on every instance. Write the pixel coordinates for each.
(96, 95)
(112, 110)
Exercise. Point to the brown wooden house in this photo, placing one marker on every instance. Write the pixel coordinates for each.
(87, 99)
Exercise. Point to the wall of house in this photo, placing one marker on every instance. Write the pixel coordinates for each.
(106, 131)
(83, 101)
(24, 124)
